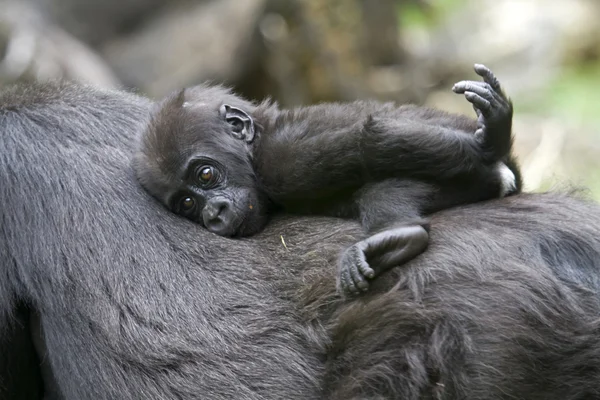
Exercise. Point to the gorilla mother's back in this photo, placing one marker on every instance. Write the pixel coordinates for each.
(136, 303)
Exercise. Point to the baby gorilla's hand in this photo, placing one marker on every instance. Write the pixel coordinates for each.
(376, 254)
(494, 111)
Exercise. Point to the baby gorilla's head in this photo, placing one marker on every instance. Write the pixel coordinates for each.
(195, 157)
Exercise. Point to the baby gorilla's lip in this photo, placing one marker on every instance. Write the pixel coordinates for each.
(221, 229)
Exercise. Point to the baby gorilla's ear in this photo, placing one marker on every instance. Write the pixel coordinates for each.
(242, 124)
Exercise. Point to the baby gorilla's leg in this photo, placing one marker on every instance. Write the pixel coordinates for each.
(494, 111)
(373, 256)
(390, 211)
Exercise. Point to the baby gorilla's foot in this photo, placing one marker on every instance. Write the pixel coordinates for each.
(376, 254)
(494, 112)
(354, 269)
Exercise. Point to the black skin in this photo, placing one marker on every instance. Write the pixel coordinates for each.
(124, 300)
(227, 164)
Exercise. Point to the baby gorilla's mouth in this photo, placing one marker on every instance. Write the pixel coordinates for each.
(220, 228)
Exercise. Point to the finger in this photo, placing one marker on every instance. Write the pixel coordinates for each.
(361, 262)
(481, 88)
(489, 77)
(347, 284)
(478, 101)
(358, 267)
(462, 86)
(366, 270)
(354, 269)
(358, 278)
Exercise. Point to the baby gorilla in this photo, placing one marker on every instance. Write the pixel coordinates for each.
(227, 163)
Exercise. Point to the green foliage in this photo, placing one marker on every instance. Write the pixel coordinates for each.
(574, 99)
(573, 95)
(413, 15)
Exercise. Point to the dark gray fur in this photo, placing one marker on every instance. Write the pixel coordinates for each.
(137, 303)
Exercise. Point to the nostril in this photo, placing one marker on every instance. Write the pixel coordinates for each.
(214, 209)
(221, 206)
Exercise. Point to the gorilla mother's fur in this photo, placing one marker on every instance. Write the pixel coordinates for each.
(137, 303)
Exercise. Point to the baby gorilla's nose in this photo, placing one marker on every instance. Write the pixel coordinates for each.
(217, 216)
(214, 208)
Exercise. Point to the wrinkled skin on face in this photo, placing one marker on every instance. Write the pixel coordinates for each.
(195, 158)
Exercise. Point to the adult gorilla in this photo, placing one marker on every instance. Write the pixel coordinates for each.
(137, 303)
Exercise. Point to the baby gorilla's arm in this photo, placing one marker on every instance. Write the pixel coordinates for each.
(313, 150)
(393, 208)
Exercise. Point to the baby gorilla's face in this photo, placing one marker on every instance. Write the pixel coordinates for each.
(219, 201)
(195, 157)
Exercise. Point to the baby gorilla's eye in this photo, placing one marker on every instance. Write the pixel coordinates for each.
(187, 204)
(207, 176)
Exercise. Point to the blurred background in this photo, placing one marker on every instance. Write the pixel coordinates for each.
(545, 52)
